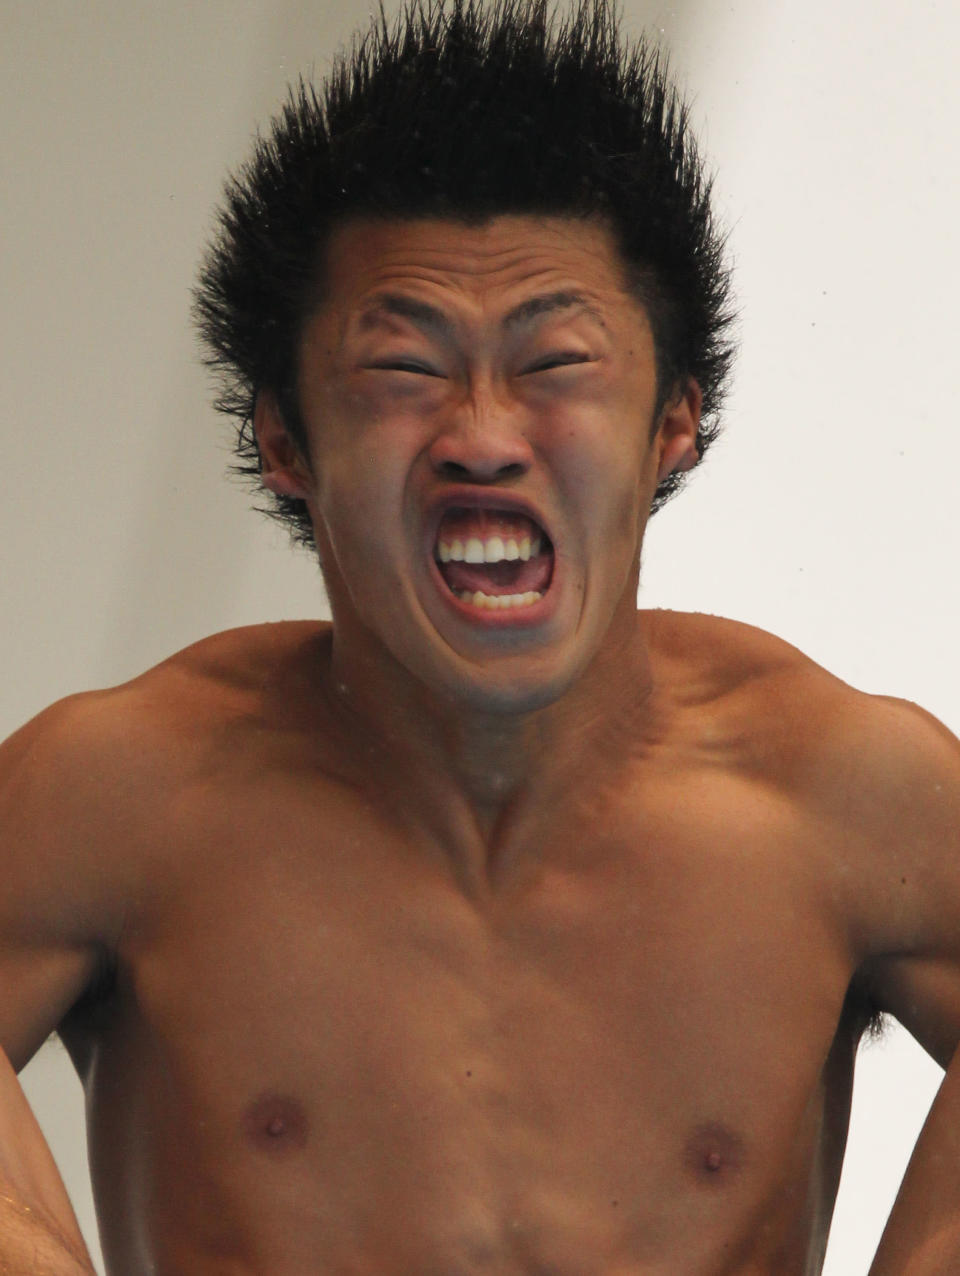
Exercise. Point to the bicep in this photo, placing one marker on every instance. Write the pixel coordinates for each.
(55, 916)
(911, 880)
(922, 994)
(39, 986)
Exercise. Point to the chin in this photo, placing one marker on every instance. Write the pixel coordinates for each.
(503, 686)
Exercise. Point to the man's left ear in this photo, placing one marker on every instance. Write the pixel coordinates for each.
(282, 469)
(677, 435)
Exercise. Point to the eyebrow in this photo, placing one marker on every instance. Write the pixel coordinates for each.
(427, 316)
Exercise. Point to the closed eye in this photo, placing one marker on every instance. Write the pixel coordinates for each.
(404, 365)
(558, 361)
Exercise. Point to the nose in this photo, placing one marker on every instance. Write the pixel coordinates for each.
(481, 443)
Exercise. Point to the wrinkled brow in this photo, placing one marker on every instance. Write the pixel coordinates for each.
(429, 317)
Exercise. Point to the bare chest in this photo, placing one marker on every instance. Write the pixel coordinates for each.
(317, 1036)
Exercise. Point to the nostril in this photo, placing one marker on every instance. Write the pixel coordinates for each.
(453, 469)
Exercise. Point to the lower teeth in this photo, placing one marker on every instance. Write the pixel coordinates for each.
(479, 599)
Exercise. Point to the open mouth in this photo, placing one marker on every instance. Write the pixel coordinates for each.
(492, 559)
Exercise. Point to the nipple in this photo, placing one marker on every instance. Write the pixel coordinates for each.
(713, 1153)
(275, 1123)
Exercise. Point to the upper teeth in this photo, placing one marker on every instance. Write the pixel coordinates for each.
(492, 550)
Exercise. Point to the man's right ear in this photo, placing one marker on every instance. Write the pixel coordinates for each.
(282, 469)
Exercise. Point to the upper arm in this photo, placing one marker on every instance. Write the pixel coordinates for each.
(59, 905)
(897, 795)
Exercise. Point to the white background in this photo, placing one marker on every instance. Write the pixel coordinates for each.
(827, 514)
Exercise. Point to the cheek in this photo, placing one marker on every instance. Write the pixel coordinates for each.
(601, 457)
(354, 505)
(362, 475)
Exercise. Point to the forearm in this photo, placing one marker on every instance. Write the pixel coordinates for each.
(39, 1233)
(30, 1245)
(922, 1236)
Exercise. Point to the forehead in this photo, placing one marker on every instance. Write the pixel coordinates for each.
(478, 270)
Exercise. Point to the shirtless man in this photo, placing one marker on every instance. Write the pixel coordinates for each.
(458, 938)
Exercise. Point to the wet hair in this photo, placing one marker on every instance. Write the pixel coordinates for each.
(467, 111)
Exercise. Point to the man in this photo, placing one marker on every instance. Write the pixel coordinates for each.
(470, 935)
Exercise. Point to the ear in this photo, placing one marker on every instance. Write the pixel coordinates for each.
(677, 436)
(282, 469)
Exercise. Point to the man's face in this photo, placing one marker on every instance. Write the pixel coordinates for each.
(482, 393)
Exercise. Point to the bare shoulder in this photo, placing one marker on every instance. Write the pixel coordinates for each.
(857, 750)
(887, 775)
(98, 751)
(89, 794)
(238, 665)
(753, 686)
(258, 672)
(724, 653)
(874, 778)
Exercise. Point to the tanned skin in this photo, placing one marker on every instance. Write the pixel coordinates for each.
(424, 946)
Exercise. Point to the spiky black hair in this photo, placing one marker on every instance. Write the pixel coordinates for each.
(467, 111)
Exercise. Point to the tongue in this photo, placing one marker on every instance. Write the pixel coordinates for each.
(517, 577)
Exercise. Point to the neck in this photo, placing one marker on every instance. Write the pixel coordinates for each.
(475, 779)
